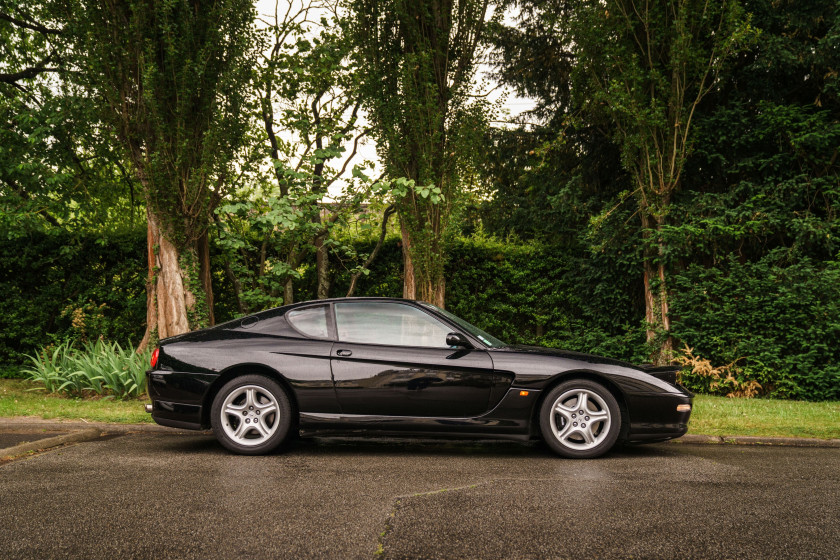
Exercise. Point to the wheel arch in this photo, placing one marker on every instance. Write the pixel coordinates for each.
(588, 375)
(247, 369)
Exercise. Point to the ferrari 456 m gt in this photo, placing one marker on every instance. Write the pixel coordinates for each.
(378, 366)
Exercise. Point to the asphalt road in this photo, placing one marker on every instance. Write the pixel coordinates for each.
(181, 496)
(12, 439)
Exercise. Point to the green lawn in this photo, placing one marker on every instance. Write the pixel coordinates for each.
(16, 399)
(722, 416)
(717, 416)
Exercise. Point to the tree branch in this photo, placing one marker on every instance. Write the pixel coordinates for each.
(31, 25)
(348, 159)
(389, 211)
(29, 73)
(28, 197)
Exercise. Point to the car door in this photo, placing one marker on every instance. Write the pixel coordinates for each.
(391, 359)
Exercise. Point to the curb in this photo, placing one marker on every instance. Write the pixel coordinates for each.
(41, 444)
(755, 440)
(25, 424)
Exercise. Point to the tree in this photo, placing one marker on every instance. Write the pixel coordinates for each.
(547, 177)
(309, 111)
(646, 67)
(764, 174)
(419, 59)
(57, 165)
(173, 78)
(754, 215)
(309, 86)
(27, 44)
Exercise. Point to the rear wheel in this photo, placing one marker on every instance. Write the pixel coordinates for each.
(580, 419)
(251, 415)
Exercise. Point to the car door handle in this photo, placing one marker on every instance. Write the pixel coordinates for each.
(344, 353)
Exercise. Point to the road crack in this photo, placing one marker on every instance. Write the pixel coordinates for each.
(398, 502)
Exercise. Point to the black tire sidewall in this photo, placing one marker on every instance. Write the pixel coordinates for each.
(546, 412)
(284, 415)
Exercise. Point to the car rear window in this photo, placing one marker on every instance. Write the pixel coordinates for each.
(311, 321)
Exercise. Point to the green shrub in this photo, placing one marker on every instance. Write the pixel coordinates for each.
(60, 287)
(780, 320)
(97, 368)
(535, 294)
(10, 372)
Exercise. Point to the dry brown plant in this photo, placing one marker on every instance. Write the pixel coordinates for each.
(723, 379)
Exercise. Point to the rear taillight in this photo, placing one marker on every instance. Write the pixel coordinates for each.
(155, 357)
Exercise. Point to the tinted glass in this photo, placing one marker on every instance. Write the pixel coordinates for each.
(389, 323)
(311, 321)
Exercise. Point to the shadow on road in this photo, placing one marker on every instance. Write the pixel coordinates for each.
(391, 446)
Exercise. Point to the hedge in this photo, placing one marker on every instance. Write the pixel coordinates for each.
(780, 320)
(57, 286)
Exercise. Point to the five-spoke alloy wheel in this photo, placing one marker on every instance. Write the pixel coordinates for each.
(251, 415)
(580, 419)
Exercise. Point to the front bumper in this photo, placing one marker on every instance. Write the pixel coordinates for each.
(656, 418)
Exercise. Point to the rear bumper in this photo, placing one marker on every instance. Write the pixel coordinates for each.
(178, 398)
(177, 415)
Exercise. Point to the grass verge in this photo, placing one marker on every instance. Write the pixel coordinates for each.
(722, 416)
(16, 399)
(714, 416)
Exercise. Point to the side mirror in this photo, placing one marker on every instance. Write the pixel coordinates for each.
(457, 340)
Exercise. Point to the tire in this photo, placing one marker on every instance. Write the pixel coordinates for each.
(580, 419)
(251, 415)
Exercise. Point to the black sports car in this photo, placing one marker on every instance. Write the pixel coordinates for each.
(392, 366)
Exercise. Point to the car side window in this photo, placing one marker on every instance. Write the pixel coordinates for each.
(393, 324)
(311, 321)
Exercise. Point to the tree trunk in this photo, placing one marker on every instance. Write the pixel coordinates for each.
(409, 286)
(656, 299)
(322, 267)
(423, 280)
(289, 292)
(172, 305)
(237, 288)
(650, 301)
(206, 276)
(151, 306)
(237, 284)
(433, 291)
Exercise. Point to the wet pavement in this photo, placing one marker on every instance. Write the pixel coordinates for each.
(10, 439)
(159, 495)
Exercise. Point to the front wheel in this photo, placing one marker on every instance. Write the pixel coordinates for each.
(251, 415)
(580, 419)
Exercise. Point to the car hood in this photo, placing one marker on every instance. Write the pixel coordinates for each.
(665, 373)
(580, 356)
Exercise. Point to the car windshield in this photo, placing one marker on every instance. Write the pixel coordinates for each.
(484, 337)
